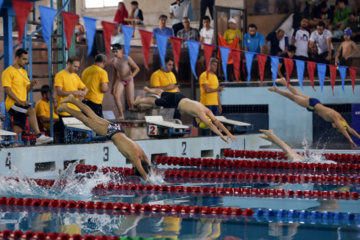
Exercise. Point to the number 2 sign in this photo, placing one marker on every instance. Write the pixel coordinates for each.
(153, 130)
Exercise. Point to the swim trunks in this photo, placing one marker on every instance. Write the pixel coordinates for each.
(169, 100)
(312, 104)
(114, 128)
(344, 125)
(126, 82)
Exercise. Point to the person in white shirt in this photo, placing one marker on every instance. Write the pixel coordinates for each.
(300, 40)
(179, 10)
(321, 37)
(207, 33)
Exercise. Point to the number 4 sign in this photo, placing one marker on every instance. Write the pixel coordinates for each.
(153, 130)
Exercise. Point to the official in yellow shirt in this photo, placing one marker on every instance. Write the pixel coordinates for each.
(165, 79)
(96, 80)
(42, 109)
(209, 91)
(231, 33)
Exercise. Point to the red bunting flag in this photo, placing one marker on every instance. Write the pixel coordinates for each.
(146, 43)
(333, 69)
(108, 29)
(233, 45)
(70, 20)
(22, 10)
(289, 66)
(236, 55)
(261, 61)
(353, 76)
(311, 69)
(176, 43)
(208, 50)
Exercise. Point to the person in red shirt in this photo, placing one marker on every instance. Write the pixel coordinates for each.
(121, 14)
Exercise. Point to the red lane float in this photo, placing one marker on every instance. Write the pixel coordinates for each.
(254, 164)
(219, 191)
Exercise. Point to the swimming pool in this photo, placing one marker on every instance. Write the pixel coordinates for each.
(215, 199)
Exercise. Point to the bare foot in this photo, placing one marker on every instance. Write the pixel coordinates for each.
(271, 89)
(62, 108)
(146, 89)
(281, 81)
(120, 118)
(68, 99)
(137, 100)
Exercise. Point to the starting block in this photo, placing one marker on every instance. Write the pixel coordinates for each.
(72, 126)
(7, 138)
(235, 126)
(157, 127)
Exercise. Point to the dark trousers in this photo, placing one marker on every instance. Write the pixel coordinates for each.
(203, 6)
(177, 27)
(97, 108)
(215, 110)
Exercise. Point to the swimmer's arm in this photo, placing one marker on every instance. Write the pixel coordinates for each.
(352, 132)
(133, 65)
(278, 70)
(224, 129)
(114, 79)
(338, 53)
(212, 127)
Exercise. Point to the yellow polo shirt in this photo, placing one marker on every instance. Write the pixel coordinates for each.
(212, 80)
(163, 79)
(93, 77)
(230, 35)
(17, 80)
(42, 108)
(68, 82)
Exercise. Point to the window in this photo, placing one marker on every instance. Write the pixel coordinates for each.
(101, 3)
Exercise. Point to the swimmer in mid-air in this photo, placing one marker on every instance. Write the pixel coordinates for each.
(314, 105)
(127, 147)
(193, 108)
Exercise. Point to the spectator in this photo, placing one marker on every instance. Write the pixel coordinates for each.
(322, 13)
(341, 16)
(231, 33)
(278, 42)
(254, 41)
(179, 10)
(79, 32)
(42, 109)
(290, 53)
(187, 32)
(346, 50)
(121, 14)
(321, 37)
(117, 36)
(207, 33)
(209, 90)
(16, 84)
(353, 24)
(68, 82)
(136, 15)
(162, 29)
(204, 4)
(164, 78)
(96, 80)
(300, 39)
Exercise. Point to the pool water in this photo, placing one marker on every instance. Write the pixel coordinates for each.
(276, 218)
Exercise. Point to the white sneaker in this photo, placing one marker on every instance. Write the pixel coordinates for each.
(43, 139)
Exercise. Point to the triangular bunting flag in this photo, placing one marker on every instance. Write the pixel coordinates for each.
(90, 26)
(321, 73)
(47, 22)
(333, 76)
(22, 9)
(300, 67)
(289, 67)
(146, 43)
(353, 76)
(342, 71)
(161, 44)
(261, 62)
(311, 69)
(236, 55)
(193, 54)
(176, 44)
(274, 68)
(108, 29)
(70, 20)
(208, 51)
(224, 51)
(128, 32)
(249, 56)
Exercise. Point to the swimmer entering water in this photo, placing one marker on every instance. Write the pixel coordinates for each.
(193, 108)
(314, 105)
(127, 147)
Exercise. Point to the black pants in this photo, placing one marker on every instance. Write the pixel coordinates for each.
(177, 27)
(97, 108)
(203, 6)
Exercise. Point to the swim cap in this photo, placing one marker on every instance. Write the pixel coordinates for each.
(347, 32)
(146, 166)
(343, 124)
(203, 125)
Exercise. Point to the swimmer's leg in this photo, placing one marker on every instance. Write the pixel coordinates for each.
(271, 137)
(156, 91)
(292, 89)
(300, 100)
(99, 127)
(84, 108)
